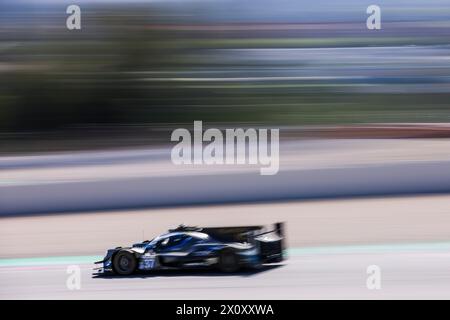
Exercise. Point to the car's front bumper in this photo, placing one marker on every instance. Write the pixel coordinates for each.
(104, 266)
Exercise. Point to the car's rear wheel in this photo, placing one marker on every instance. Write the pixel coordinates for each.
(228, 261)
(124, 262)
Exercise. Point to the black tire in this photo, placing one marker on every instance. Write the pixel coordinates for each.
(228, 261)
(124, 262)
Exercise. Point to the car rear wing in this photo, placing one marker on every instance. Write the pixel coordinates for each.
(269, 239)
(277, 228)
(232, 234)
(243, 233)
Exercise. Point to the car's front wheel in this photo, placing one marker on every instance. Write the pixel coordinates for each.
(228, 261)
(124, 262)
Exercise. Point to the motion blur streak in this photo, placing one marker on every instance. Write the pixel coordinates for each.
(409, 270)
(154, 64)
(406, 275)
(86, 117)
(309, 223)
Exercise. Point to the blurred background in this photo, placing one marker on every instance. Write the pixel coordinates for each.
(137, 68)
(364, 118)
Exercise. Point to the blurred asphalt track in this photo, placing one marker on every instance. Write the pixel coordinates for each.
(330, 241)
(121, 179)
(309, 223)
(330, 245)
(413, 275)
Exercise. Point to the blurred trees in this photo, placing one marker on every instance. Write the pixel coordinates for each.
(138, 66)
(65, 78)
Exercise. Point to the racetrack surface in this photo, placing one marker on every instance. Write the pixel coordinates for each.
(309, 169)
(404, 275)
(330, 245)
(308, 223)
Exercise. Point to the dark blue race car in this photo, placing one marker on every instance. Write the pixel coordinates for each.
(225, 248)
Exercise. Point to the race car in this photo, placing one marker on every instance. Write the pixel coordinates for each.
(225, 248)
